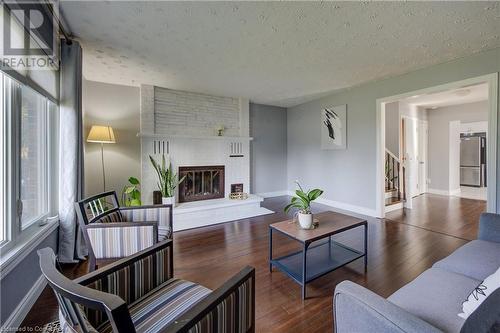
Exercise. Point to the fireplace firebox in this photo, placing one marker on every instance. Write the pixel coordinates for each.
(201, 183)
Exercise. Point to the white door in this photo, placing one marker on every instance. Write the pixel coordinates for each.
(411, 156)
(423, 140)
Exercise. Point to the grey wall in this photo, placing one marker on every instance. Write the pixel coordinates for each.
(17, 283)
(393, 113)
(439, 137)
(349, 176)
(268, 148)
(117, 106)
(392, 127)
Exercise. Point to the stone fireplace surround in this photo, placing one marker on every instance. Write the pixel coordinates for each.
(182, 126)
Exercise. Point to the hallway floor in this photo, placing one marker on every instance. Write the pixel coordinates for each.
(449, 215)
(469, 192)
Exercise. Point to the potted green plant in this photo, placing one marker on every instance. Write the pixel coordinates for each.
(131, 193)
(167, 180)
(302, 201)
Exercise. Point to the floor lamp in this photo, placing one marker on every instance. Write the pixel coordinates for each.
(102, 135)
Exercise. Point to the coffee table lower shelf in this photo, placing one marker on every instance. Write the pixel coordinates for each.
(321, 259)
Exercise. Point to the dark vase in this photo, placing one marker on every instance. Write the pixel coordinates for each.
(156, 197)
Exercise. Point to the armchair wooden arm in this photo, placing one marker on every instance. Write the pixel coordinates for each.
(71, 295)
(233, 304)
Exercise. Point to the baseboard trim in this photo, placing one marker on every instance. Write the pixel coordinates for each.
(394, 207)
(343, 206)
(436, 191)
(273, 194)
(17, 316)
(443, 192)
(347, 207)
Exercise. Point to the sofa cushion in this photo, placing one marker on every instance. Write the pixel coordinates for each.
(477, 259)
(436, 296)
(478, 295)
(158, 308)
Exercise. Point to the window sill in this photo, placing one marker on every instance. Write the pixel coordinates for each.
(12, 257)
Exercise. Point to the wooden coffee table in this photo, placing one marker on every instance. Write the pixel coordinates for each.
(322, 257)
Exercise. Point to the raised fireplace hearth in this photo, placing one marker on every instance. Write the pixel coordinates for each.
(201, 183)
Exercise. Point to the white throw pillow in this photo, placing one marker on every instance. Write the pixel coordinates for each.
(478, 295)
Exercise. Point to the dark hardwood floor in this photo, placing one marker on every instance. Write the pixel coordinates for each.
(400, 248)
(452, 216)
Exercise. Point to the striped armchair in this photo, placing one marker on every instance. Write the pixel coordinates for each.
(139, 294)
(112, 232)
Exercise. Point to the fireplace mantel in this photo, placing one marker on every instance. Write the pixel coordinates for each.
(212, 137)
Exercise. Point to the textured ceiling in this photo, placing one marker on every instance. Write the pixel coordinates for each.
(469, 94)
(280, 53)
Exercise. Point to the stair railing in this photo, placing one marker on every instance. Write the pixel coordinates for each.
(394, 175)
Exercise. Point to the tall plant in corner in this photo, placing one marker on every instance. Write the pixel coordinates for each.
(167, 179)
(302, 201)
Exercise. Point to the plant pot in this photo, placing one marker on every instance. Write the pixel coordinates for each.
(168, 201)
(305, 220)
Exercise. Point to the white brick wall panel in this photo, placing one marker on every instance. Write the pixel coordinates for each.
(172, 112)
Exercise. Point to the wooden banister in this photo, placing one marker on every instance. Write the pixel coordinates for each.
(387, 151)
(394, 174)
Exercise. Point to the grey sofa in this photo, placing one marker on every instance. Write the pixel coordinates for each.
(432, 301)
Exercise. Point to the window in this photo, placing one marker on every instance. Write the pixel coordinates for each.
(28, 146)
(33, 157)
(3, 186)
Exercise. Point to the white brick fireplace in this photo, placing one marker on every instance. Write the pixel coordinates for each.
(183, 126)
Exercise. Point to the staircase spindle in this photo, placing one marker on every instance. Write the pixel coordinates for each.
(394, 175)
(393, 186)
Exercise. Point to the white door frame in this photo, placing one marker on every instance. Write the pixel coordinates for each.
(424, 125)
(492, 80)
(420, 124)
(404, 157)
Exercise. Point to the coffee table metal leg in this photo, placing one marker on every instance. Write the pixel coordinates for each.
(270, 249)
(329, 247)
(366, 247)
(304, 270)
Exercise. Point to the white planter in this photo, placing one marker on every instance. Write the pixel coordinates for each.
(305, 220)
(168, 201)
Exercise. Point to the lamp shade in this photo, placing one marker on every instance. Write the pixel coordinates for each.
(101, 134)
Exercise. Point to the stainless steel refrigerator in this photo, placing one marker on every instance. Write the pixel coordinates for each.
(473, 160)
